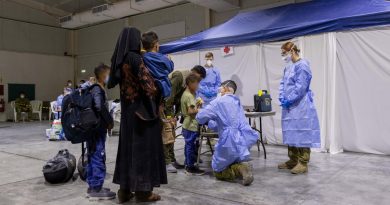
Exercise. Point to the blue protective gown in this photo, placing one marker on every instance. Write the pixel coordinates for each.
(300, 124)
(236, 137)
(208, 87)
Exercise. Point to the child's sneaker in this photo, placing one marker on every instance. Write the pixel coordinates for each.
(89, 190)
(103, 194)
(194, 171)
(171, 168)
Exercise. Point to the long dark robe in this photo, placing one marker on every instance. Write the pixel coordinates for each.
(140, 164)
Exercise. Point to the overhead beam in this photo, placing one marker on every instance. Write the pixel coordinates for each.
(216, 5)
(42, 7)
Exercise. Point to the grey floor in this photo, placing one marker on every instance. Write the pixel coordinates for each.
(347, 178)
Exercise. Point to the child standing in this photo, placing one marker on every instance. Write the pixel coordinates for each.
(189, 109)
(96, 168)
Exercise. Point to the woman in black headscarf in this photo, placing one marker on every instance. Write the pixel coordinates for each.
(140, 162)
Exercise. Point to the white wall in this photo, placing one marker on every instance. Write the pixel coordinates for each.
(17, 34)
(33, 53)
(49, 73)
(96, 44)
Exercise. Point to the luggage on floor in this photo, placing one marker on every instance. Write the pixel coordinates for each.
(61, 168)
(55, 133)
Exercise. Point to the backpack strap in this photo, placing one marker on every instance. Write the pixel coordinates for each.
(82, 153)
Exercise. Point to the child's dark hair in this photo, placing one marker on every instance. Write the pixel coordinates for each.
(149, 40)
(100, 69)
(200, 70)
(230, 84)
(192, 78)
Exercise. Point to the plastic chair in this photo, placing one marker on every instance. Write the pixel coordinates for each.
(37, 108)
(52, 109)
(14, 110)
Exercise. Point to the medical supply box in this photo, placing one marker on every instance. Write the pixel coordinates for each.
(262, 101)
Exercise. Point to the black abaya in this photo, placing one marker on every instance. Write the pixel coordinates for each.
(140, 164)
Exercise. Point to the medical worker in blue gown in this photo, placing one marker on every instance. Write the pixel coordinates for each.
(226, 115)
(208, 87)
(300, 126)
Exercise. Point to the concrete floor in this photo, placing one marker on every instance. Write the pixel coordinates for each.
(347, 178)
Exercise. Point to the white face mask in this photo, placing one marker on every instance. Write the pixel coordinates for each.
(209, 63)
(22, 96)
(107, 79)
(287, 58)
(69, 84)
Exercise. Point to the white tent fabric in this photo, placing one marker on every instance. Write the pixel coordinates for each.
(349, 93)
(363, 82)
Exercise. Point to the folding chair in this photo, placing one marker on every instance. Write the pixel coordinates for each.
(204, 133)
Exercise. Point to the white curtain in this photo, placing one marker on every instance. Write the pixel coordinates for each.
(362, 90)
(350, 75)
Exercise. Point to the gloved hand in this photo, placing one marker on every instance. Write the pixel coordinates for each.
(209, 94)
(285, 104)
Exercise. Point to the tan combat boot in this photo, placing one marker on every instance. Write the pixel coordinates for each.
(244, 171)
(300, 168)
(288, 165)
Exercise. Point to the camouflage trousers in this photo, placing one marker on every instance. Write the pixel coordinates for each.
(230, 173)
(299, 154)
(169, 153)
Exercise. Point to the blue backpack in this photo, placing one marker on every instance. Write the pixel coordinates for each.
(79, 119)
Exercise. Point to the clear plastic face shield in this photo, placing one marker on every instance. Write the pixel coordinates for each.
(225, 89)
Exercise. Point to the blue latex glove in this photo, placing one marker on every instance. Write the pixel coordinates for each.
(285, 104)
(209, 94)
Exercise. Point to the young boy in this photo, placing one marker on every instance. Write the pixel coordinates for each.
(236, 137)
(96, 168)
(189, 109)
(159, 65)
(172, 110)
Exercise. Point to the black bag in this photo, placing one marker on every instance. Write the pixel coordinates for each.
(263, 102)
(61, 168)
(79, 119)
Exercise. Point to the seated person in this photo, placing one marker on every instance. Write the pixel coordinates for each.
(58, 109)
(22, 104)
(236, 137)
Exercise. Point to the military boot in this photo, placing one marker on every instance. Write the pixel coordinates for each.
(288, 165)
(293, 155)
(300, 168)
(244, 171)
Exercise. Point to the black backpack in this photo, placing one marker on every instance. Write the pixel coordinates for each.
(79, 119)
(61, 168)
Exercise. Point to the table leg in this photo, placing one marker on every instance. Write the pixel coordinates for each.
(261, 138)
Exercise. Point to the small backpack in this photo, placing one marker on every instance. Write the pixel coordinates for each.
(61, 168)
(79, 119)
